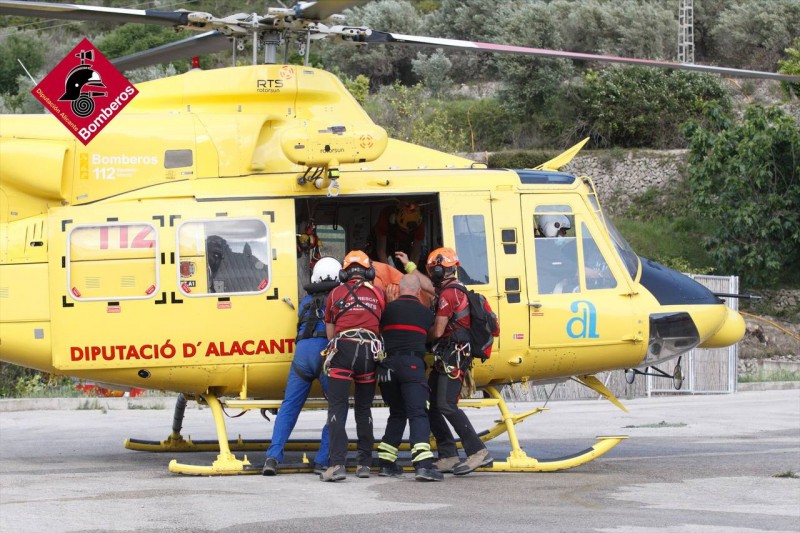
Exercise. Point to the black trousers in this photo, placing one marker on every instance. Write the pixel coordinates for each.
(353, 362)
(407, 397)
(444, 406)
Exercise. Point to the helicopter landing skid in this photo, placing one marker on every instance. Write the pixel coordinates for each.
(519, 461)
(227, 464)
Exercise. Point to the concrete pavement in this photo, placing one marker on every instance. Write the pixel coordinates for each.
(692, 463)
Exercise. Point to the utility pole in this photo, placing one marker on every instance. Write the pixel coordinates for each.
(686, 31)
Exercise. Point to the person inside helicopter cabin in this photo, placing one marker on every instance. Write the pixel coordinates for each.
(306, 365)
(557, 258)
(452, 359)
(352, 322)
(399, 228)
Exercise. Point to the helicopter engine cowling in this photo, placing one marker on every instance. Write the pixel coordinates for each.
(315, 144)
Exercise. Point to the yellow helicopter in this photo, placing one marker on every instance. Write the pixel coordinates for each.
(165, 253)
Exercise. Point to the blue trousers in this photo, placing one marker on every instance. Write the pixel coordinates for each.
(308, 364)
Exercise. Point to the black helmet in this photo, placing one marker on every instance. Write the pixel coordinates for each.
(80, 76)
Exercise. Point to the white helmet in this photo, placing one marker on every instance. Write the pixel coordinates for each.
(550, 225)
(326, 269)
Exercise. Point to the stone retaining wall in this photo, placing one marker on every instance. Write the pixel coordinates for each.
(621, 176)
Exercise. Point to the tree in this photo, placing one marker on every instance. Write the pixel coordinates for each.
(645, 30)
(746, 178)
(792, 66)
(433, 71)
(131, 38)
(642, 107)
(15, 48)
(471, 20)
(755, 34)
(383, 64)
(533, 87)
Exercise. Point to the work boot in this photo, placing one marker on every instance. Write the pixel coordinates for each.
(270, 467)
(334, 473)
(446, 464)
(362, 471)
(428, 474)
(476, 460)
(392, 470)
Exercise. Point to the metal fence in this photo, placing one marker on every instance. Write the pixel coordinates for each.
(705, 371)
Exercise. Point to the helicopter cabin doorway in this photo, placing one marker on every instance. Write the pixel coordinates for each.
(462, 220)
(374, 224)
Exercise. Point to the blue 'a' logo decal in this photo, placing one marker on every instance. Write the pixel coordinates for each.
(583, 326)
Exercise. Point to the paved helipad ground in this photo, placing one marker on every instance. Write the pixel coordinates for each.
(692, 463)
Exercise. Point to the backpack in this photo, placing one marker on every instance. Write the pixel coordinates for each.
(483, 323)
(312, 313)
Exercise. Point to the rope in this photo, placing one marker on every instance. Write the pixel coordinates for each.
(770, 322)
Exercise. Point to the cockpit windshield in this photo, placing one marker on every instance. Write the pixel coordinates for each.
(624, 249)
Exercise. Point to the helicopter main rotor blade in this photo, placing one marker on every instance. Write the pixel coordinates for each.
(205, 43)
(378, 37)
(323, 9)
(94, 13)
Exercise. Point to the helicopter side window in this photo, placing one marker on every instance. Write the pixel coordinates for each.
(470, 233)
(112, 261)
(596, 272)
(222, 257)
(556, 251)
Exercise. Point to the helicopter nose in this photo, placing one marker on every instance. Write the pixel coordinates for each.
(731, 331)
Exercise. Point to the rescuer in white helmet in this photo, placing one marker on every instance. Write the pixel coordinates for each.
(306, 365)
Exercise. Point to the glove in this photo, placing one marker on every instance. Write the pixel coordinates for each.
(384, 374)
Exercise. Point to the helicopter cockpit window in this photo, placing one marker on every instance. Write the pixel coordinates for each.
(624, 249)
(556, 250)
(595, 268)
(470, 233)
(112, 261)
(221, 257)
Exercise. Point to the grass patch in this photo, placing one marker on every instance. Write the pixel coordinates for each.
(662, 424)
(92, 404)
(788, 474)
(140, 406)
(775, 375)
(671, 241)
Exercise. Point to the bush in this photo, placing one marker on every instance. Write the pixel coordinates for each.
(408, 114)
(745, 177)
(488, 124)
(521, 158)
(642, 107)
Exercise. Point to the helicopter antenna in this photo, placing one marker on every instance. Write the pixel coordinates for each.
(26, 71)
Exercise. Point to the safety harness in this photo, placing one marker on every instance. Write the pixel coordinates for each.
(344, 307)
(366, 339)
(450, 356)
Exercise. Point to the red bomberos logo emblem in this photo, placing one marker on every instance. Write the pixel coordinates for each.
(85, 91)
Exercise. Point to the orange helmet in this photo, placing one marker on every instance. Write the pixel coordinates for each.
(356, 258)
(445, 257)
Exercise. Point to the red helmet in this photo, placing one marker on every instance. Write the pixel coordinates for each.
(445, 257)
